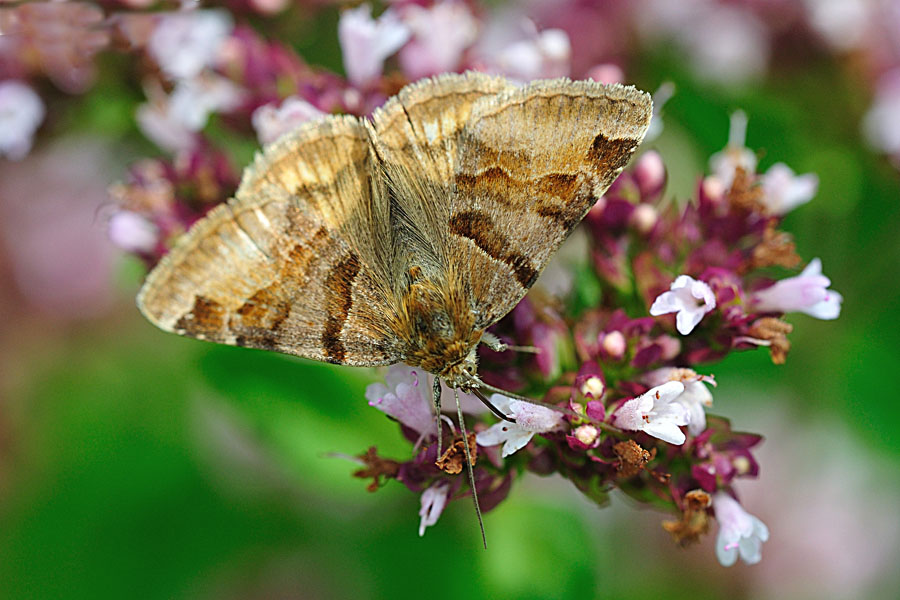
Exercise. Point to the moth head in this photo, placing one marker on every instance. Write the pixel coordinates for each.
(462, 373)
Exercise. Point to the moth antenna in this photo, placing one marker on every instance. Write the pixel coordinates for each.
(484, 400)
(465, 435)
(436, 400)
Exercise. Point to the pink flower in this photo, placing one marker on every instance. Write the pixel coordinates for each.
(171, 121)
(440, 35)
(132, 232)
(690, 298)
(881, 124)
(21, 113)
(656, 413)
(517, 49)
(406, 397)
(434, 499)
(185, 43)
(785, 191)
(367, 42)
(271, 122)
(807, 293)
(739, 532)
(530, 419)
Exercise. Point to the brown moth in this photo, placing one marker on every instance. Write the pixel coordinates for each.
(404, 237)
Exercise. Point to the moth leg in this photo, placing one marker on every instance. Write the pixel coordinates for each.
(493, 342)
(465, 436)
(436, 400)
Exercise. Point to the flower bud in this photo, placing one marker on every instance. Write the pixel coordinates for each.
(586, 434)
(593, 387)
(614, 344)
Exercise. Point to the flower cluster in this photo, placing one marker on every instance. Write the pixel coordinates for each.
(627, 318)
(624, 350)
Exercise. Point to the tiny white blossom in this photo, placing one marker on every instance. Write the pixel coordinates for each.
(656, 413)
(807, 293)
(784, 190)
(739, 532)
(434, 499)
(21, 113)
(530, 419)
(184, 43)
(688, 297)
(695, 398)
(367, 42)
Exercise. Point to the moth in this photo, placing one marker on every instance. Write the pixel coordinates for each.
(404, 237)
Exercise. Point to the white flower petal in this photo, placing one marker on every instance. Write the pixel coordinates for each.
(434, 499)
(517, 439)
(726, 551)
(666, 431)
(494, 435)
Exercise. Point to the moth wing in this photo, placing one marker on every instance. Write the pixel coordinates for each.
(293, 262)
(416, 135)
(530, 163)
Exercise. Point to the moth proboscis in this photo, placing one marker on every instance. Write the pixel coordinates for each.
(404, 237)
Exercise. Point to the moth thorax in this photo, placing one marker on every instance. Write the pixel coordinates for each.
(441, 330)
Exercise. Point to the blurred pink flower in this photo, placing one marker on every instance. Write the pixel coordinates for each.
(606, 73)
(724, 42)
(689, 298)
(739, 532)
(58, 39)
(132, 232)
(881, 124)
(21, 113)
(807, 293)
(171, 121)
(512, 45)
(833, 506)
(843, 23)
(440, 35)
(185, 43)
(434, 499)
(367, 42)
(271, 121)
(61, 260)
(784, 190)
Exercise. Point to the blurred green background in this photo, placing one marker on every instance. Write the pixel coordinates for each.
(137, 464)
